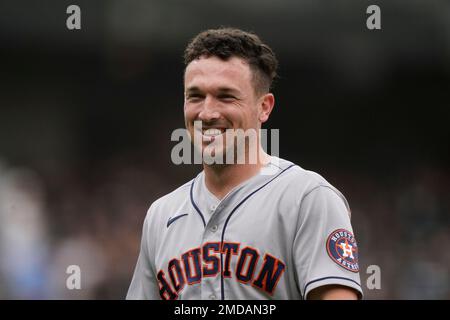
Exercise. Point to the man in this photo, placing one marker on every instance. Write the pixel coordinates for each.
(236, 231)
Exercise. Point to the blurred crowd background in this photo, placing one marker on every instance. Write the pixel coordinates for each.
(86, 118)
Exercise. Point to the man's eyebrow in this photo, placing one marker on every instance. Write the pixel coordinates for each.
(219, 90)
(228, 90)
(193, 90)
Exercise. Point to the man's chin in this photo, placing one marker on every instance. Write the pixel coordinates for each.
(212, 157)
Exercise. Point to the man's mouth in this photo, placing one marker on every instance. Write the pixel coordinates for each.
(213, 132)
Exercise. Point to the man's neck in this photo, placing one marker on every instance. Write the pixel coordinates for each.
(220, 179)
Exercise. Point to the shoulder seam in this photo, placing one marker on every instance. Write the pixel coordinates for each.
(316, 187)
(337, 192)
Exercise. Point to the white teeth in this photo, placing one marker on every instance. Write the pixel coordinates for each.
(212, 132)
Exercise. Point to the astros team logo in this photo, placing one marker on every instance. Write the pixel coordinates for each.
(342, 249)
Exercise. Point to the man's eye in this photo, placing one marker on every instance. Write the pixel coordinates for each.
(227, 97)
(194, 97)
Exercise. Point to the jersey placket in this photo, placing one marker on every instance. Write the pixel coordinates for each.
(211, 209)
(210, 286)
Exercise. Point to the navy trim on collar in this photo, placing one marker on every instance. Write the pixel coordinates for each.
(195, 206)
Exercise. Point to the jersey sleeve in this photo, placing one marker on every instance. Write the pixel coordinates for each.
(144, 285)
(325, 250)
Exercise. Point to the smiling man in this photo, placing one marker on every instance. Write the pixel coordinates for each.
(236, 231)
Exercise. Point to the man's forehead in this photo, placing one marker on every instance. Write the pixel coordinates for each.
(234, 68)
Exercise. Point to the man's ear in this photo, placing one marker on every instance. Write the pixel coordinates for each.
(266, 105)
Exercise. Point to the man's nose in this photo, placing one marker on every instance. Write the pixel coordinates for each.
(209, 110)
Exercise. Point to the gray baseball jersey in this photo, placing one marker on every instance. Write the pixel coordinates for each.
(275, 236)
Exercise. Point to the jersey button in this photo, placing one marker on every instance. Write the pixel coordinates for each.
(214, 228)
(213, 207)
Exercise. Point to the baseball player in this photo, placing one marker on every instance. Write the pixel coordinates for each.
(236, 231)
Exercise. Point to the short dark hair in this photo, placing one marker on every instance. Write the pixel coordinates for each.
(228, 42)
